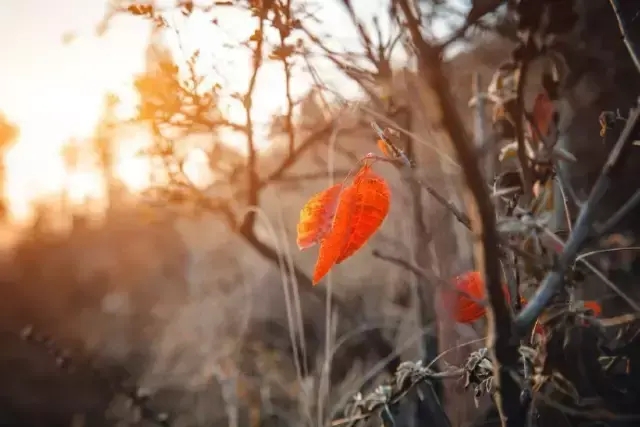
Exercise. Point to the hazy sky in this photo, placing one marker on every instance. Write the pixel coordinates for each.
(55, 91)
(36, 65)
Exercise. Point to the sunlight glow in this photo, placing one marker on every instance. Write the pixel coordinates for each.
(59, 95)
(35, 167)
(62, 98)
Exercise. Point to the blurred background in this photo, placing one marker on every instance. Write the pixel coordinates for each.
(142, 263)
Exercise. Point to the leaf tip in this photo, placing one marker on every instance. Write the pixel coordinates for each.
(317, 276)
(303, 243)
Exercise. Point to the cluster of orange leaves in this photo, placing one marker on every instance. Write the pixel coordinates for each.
(343, 217)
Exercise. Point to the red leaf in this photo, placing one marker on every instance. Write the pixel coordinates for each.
(316, 217)
(593, 306)
(543, 110)
(370, 208)
(332, 244)
(464, 302)
(468, 288)
(362, 207)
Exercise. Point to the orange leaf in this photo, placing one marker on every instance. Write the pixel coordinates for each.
(543, 110)
(316, 217)
(362, 207)
(384, 147)
(332, 244)
(469, 312)
(593, 306)
(523, 301)
(464, 302)
(469, 286)
(370, 208)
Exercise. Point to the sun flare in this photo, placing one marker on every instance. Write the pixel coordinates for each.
(62, 99)
(35, 164)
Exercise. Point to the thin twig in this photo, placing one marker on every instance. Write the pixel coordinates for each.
(425, 275)
(620, 213)
(415, 269)
(634, 50)
(478, 11)
(604, 251)
(523, 158)
(565, 204)
(310, 176)
(596, 272)
(253, 179)
(554, 279)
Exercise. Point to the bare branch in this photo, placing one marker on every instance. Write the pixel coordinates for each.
(632, 47)
(478, 11)
(614, 219)
(527, 174)
(253, 180)
(415, 269)
(367, 44)
(554, 280)
(298, 178)
(501, 336)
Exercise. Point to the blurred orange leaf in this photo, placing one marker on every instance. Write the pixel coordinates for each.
(593, 306)
(543, 110)
(316, 217)
(361, 209)
(384, 148)
(465, 303)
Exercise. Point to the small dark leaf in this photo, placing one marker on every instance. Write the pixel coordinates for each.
(281, 52)
(255, 36)
(140, 9)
